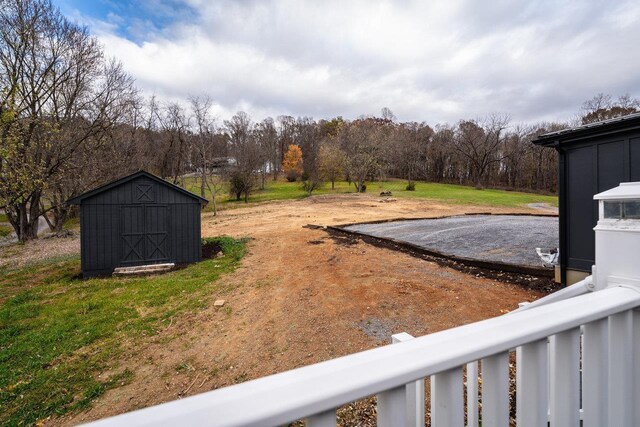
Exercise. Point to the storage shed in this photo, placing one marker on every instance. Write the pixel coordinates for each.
(592, 158)
(138, 220)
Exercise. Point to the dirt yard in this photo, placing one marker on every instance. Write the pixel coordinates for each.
(302, 296)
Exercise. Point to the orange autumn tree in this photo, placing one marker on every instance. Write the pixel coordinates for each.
(292, 163)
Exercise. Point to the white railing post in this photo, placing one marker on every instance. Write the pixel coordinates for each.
(472, 394)
(564, 396)
(594, 373)
(495, 390)
(620, 370)
(323, 419)
(415, 391)
(447, 403)
(531, 384)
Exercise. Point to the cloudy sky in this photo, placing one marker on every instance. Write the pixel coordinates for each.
(433, 61)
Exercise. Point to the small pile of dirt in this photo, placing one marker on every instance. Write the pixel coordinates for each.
(211, 250)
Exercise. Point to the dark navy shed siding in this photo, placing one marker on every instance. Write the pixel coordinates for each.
(589, 166)
(138, 222)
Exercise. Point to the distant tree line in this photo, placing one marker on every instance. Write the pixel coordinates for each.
(71, 119)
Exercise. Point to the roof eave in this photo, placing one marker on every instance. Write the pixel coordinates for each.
(558, 138)
(78, 199)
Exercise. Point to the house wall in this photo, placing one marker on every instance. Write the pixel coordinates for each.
(588, 167)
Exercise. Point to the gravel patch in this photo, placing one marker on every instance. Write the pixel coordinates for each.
(17, 255)
(510, 239)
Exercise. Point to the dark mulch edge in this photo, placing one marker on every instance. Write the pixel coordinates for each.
(540, 280)
(210, 249)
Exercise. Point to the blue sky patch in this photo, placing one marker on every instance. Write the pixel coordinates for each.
(137, 21)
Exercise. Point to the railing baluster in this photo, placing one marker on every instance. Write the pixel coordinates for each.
(472, 394)
(636, 366)
(415, 403)
(447, 403)
(495, 390)
(531, 384)
(620, 370)
(323, 419)
(594, 373)
(565, 379)
(392, 407)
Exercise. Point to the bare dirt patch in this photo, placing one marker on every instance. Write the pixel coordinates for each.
(302, 296)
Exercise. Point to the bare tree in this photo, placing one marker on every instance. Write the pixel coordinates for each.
(268, 138)
(480, 144)
(362, 141)
(602, 107)
(204, 129)
(56, 95)
(175, 126)
(246, 154)
(409, 151)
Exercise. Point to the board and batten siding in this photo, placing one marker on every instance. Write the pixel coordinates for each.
(592, 166)
(142, 220)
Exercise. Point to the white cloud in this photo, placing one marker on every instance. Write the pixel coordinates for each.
(433, 61)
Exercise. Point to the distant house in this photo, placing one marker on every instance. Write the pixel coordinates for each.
(138, 220)
(592, 158)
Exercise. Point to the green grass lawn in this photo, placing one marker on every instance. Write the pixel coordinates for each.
(58, 332)
(282, 190)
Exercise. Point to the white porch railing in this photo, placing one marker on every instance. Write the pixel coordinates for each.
(559, 372)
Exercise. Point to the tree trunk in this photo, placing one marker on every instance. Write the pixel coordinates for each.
(333, 184)
(52, 225)
(23, 217)
(60, 216)
(203, 182)
(214, 192)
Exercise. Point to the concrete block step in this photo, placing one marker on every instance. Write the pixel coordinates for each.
(143, 269)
